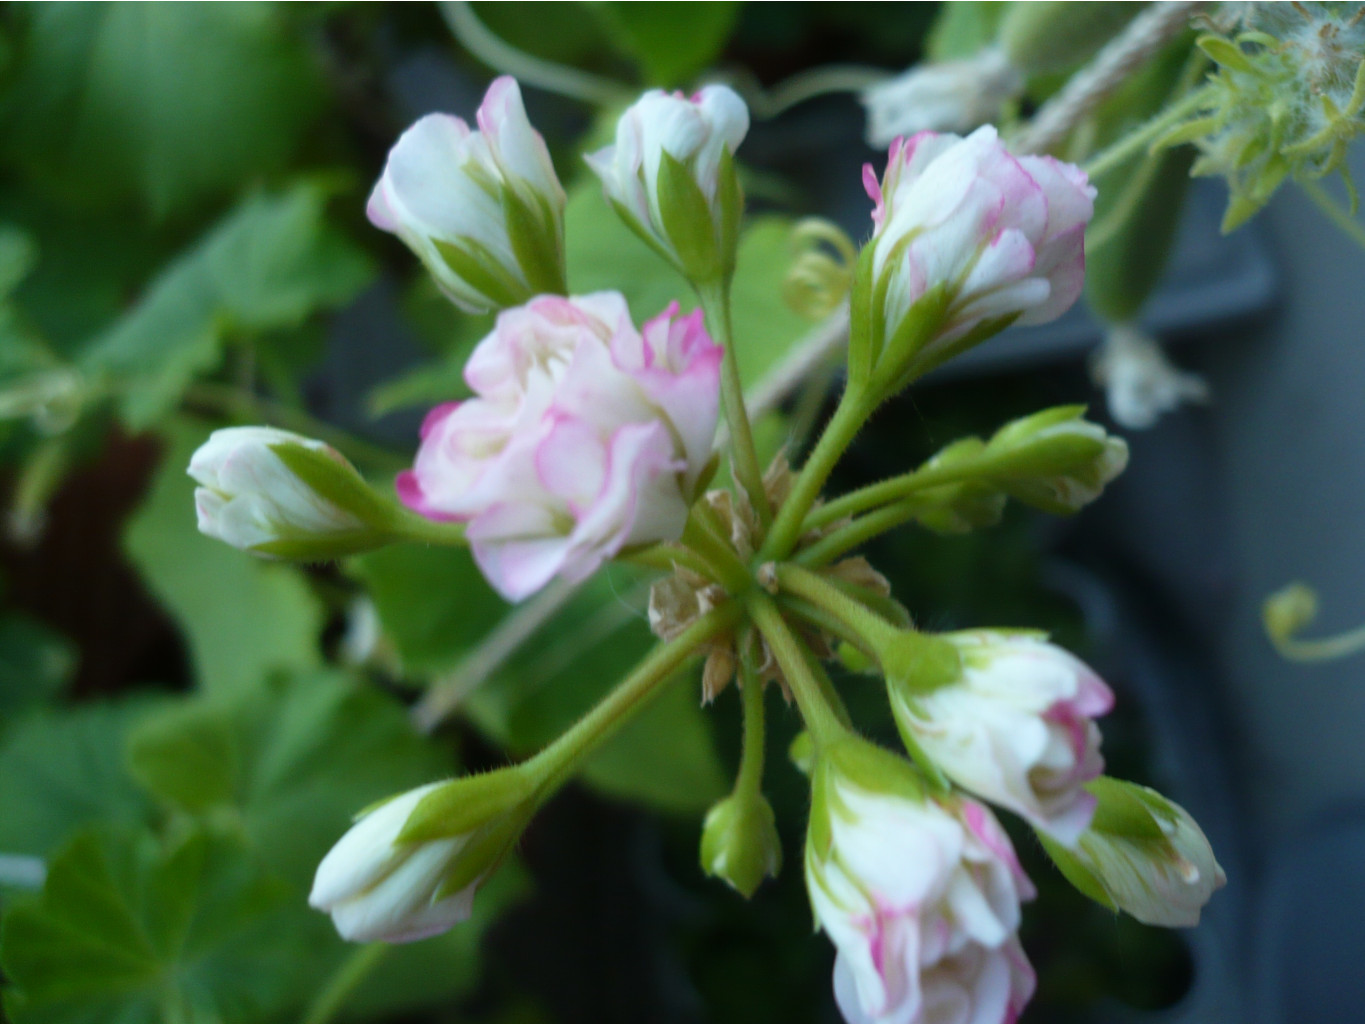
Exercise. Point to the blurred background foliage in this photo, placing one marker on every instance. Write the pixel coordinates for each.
(184, 730)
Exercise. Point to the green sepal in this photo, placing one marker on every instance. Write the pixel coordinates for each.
(740, 844)
(336, 481)
(326, 548)
(473, 264)
(801, 752)
(1225, 53)
(919, 662)
(534, 243)
(730, 204)
(464, 805)
(1081, 877)
(922, 322)
(643, 232)
(862, 333)
(481, 855)
(1129, 811)
(937, 356)
(855, 660)
(687, 221)
(871, 768)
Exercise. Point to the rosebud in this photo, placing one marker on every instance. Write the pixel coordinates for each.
(968, 240)
(1055, 460)
(920, 896)
(482, 209)
(280, 495)
(585, 435)
(1144, 855)
(952, 96)
(739, 842)
(671, 177)
(1013, 726)
(409, 868)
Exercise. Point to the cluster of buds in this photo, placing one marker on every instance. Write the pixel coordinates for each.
(1286, 101)
(589, 438)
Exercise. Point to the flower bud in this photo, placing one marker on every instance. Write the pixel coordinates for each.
(968, 240)
(739, 842)
(585, 435)
(1055, 460)
(1014, 726)
(671, 177)
(482, 209)
(951, 96)
(280, 495)
(1144, 855)
(408, 869)
(919, 896)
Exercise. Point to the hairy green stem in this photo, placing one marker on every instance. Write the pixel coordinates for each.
(344, 981)
(864, 622)
(556, 763)
(823, 620)
(715, 304)
(860, 531)
(792, 656)
(897, 488)
(749, 780)
(700, 534)
(667, 557)
(1139, 138)
(848, 419)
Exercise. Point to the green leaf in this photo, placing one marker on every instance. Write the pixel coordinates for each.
(18, 254)
(963, 29)
(665, 757)
(130, 932)
(433, 603)
(671, 42)
(270, 263)
(243, 618)
(765, 327)
(152, 100)
(284, 758)
(35, 663)
(61, 770)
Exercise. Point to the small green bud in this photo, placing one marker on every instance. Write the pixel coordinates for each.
(1143, 854)
(740, 844)
(1055, 460)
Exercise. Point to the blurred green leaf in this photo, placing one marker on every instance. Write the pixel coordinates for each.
(433, 603)
(765, 327)
(665, 757)
(132, 932)
(169, 102)
(18, 254)
(242, 617)
(35, 663)
(63, 769)
(284, 756)
(670, 41)
(963, 29)
(269, 264)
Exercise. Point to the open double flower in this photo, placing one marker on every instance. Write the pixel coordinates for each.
(921, 898)
(585, 435)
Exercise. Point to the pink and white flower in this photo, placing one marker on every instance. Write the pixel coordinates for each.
(700, 133)
(482, 209)
(921, 899)
(1016, 728)
(585, 436)
(994, 237)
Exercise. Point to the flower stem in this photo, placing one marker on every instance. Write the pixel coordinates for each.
(667, 557)
(556, 763)
(715, 304)
(864, 528)
(749, 781)
(897, 488)
(344, 981)
(1142, 136)
(792, 655)
(848, 419)
(819, 591)
(700, 534)
(410, 526)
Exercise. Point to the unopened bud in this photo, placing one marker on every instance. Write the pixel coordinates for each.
(1055, 460)
(279, 495)
(740, 844)
(1144, 855)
